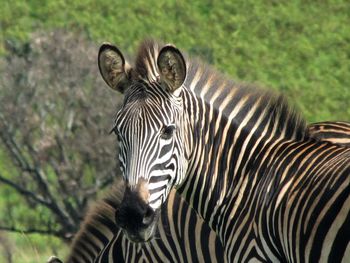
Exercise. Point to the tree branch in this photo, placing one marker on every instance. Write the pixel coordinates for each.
(37, 174)
(57, 233)
(24, 192)
(65, 193)
(61, 215)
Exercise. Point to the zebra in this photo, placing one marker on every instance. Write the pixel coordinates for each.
(238, 154)
(336, 132)
(190, 237)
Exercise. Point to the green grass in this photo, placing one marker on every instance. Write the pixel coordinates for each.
(299, 47)
(35, 248)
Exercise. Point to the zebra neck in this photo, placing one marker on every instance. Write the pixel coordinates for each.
(211, 170)
(225, 150)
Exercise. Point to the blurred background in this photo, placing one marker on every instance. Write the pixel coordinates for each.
(56, 155)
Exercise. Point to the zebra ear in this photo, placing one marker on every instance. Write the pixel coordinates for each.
(112, 67)
(172, 67)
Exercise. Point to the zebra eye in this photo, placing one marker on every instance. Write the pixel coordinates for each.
(167, 132)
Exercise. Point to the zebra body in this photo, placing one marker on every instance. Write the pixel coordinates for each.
(182, 235)
(273, 197)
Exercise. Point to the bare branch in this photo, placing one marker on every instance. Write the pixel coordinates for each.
(12, 147)
(33, 231)
(40, 180)
(24, 192)
(63, 218)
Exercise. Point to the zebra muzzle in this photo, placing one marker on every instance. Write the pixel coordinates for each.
(136, 217)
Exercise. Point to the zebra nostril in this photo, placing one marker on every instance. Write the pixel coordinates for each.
(148, 217)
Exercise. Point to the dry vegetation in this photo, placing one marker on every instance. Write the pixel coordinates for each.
(55, 147)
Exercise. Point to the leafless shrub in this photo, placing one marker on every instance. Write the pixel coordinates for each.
(54, 130)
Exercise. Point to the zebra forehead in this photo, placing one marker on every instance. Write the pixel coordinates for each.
(144, 116)
(147, 106)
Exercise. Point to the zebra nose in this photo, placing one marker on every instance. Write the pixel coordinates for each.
(134, 214)
(119, 219)
(148, 216)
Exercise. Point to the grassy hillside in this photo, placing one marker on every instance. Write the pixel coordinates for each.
(299, 47)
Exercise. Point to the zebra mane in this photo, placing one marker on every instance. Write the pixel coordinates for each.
(201, 76)
(146, 59)
(98, 216)
(275, 105)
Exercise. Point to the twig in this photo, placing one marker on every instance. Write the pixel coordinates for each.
(32, 231)
(36, 172)
(23, 191)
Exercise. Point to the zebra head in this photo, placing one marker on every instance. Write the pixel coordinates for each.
(151, 131)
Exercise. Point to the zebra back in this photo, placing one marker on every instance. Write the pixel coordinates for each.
(335, 132)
